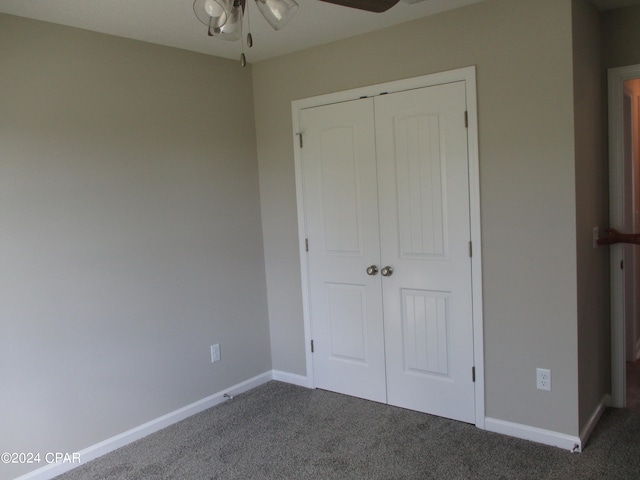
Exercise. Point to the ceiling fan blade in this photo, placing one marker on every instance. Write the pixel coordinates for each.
(377, 6)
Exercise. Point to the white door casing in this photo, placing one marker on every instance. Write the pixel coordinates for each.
(424, 297)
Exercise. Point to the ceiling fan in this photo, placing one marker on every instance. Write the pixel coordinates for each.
(377, 6)
(224, 18)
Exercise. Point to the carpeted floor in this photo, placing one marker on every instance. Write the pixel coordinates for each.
(280, 431)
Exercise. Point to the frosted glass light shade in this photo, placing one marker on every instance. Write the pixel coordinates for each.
(277, 12)
(213, 8)
(213, 13)
(232, 29)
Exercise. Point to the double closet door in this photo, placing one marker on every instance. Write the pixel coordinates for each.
(386, 199)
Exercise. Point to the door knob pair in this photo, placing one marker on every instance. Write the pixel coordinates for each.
(385, 272)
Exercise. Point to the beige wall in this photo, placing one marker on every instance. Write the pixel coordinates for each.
(523, 53)
(622, 37)
(592, 194)
(130, 236)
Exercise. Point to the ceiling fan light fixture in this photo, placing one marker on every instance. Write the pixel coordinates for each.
(224, 18)
(277, 12)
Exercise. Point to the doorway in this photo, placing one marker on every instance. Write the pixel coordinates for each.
(624, 178)
(366, 337)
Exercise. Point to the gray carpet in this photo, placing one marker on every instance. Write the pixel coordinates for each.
(280, 431)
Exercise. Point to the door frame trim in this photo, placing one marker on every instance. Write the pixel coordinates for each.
(468, 75)
(616, 79)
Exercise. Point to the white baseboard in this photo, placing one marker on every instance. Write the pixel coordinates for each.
(586, 432)
(526, 432)
(549, 437)
(539, 435)
(292, 378)
(52, 470)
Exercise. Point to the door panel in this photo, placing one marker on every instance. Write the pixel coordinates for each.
(347, 316)
(341, 208)
(339, 190)
(425, 233)
(419, 186)
(425, 332)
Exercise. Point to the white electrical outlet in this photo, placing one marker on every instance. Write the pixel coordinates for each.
(543, 379)
(215, 353)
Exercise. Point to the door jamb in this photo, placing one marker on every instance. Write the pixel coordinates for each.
(468, 75)
(616, 79)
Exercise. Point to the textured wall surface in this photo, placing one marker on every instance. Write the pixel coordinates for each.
(131, 236)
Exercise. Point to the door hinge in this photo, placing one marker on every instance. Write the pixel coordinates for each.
(300, 138)
(470, 249)
(466, 119)
(473, 374)
(621, 264)
(311, 346)
(306, 244)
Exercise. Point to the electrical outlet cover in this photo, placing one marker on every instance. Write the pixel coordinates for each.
(215, 352)
(543, 379)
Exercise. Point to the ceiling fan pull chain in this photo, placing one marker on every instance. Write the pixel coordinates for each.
(243, 58)
(249, 36)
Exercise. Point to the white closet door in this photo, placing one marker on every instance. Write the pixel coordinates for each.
(341, 207)
(385, 183)
(425, 233)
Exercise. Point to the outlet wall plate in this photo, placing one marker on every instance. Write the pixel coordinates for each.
(543, 379)
(215, 353)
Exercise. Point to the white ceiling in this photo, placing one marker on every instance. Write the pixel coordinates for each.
(173, 23)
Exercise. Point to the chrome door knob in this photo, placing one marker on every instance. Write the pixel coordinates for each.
(372, 270)
(387, 271)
